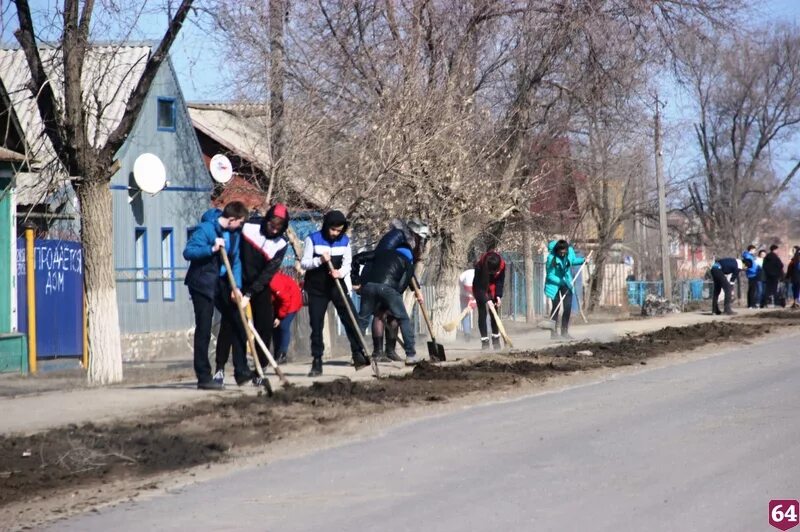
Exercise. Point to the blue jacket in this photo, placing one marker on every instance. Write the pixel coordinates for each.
(752, 271)
(729, 266)
(205, 266)
(559, 271)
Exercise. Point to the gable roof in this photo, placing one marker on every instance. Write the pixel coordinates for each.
(240, 128)
(110, 73)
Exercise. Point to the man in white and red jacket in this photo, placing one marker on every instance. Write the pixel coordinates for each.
(261, 252)
(287, 300)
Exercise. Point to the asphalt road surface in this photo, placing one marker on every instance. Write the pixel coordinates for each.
(702, 445)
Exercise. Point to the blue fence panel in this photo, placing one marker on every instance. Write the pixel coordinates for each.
(59, 296)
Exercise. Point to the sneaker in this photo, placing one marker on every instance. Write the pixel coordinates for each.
(241, 379)
(566, 336)
(485, 346)
(360, 361)
(496, 342)
(219, 377)
(316, 368)
(413, 360)
(210, 385)
(281, 359)
(393, 356)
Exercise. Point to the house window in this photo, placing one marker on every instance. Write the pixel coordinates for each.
(168, 264)
(166, 114)
(141, 264)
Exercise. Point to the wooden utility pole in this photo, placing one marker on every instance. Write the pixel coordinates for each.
(527, 254)
(662, 207)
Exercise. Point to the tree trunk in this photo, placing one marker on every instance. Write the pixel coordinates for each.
(277, 73)
(599, 276)
(105, 349)
(452, 258)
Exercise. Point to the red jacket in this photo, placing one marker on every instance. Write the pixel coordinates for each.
(496, 281)
(286, 296)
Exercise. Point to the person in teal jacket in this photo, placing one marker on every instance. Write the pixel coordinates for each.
(558, 283)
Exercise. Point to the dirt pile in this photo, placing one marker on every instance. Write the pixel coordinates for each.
(190, 435)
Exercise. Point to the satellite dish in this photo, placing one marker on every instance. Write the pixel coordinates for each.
(221, 168)
(149, 173)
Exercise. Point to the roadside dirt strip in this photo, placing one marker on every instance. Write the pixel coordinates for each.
(93, 456)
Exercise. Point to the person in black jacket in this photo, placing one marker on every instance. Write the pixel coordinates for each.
(411, 235)
(388, 276)
(725, 272)
(329, 244)
(262, 250)
(490, 276)
(773, 273)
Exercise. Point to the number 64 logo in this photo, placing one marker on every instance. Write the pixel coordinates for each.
(783, 514)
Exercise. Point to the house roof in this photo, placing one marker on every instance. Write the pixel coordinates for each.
(110, 74)
(240, 128)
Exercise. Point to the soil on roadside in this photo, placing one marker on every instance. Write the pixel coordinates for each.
(75, 457)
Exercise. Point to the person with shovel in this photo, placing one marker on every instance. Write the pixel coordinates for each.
(558, 283)
(724, 273)
(487, 285)
(329, 245)
(262, 251)
(209, 287)
(389, 275)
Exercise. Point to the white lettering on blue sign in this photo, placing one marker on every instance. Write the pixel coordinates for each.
(21, 264)
(58, 258)
(55, 282)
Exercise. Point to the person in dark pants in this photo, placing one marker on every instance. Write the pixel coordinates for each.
(262, 250)
(793, 276)
(330, 244)
(558, 283)
(760, 290)
(490, 276)
(724, 273)
(383, 285)
(208, 285)
(752, 277)
(773, 273)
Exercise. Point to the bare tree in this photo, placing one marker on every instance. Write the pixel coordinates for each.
(746, 89)
(71, 121)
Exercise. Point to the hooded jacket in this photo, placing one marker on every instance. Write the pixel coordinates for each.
(262, 255)
(318, 279)
(286, 295)
(773, 266)
(205, 266)
(559, 270)
(752, 271)
(392, 267)
(728, 266)
(496, 281)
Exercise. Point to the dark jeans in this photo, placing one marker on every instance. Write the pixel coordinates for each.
(282, 334)
(261, 307)
(482, 312)
(566, 307)
(752, 293)
(720, 283)
(203, 316)
(317, 306)
(760, 293)
(771, 290)
(376, 296)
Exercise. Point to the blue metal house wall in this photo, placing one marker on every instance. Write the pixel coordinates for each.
(178, 207)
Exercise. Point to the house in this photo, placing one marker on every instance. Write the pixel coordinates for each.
(13, 350)
(150, 230)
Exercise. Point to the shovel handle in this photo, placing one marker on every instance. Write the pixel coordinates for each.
(418, 293)
(224, 253)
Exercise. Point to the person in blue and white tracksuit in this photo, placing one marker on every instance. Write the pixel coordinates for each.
(331, 243)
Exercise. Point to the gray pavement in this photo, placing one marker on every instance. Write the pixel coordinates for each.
(52, 408)
(702, 445)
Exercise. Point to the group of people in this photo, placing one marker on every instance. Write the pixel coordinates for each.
(485, 281)
(255, 248)
(766, 275)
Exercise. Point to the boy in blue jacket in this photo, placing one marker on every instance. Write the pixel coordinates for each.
(208, 285)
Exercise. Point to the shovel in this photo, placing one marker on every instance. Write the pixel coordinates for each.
(499, 323)
(450, 325)
(223, 252)
(435, 350)
(349, 304)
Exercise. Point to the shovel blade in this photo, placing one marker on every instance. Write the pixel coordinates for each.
(436, 352)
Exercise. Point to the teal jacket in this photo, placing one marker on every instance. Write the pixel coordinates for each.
(559, 271)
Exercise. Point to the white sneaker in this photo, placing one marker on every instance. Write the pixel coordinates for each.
(219, 377)
(412, 361)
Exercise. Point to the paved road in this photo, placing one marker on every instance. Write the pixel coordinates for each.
(697, 446)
